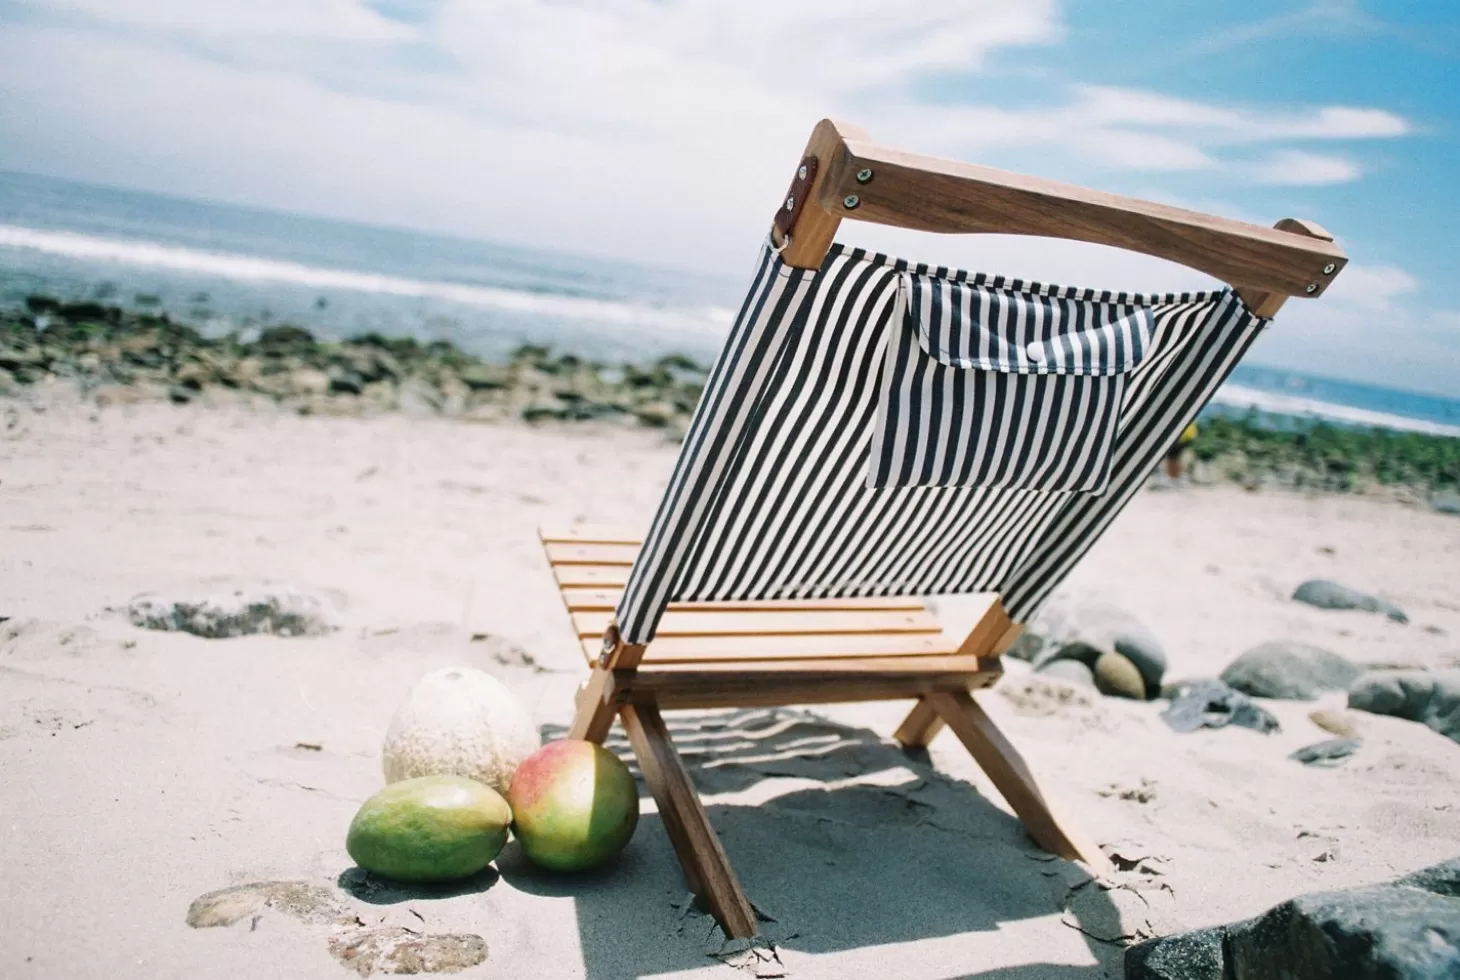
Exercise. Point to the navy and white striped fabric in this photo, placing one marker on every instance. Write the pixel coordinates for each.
(769, 497)
(999, 387)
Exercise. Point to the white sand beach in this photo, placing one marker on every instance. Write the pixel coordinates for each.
(143, 769)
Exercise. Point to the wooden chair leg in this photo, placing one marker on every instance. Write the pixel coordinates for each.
(595, 713)
(920, 727)
(1008, 771)
(694, 840)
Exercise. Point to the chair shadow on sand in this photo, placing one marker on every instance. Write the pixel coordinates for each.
(884, 849)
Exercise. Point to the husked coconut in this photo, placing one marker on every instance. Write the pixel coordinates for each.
(459, 721)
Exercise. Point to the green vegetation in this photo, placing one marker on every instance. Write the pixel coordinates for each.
(1324, 456)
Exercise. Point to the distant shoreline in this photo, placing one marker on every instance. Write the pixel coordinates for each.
(115, 355)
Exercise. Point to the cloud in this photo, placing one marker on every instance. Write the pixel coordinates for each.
(643, 128)
(1300, 168)
(236, 21)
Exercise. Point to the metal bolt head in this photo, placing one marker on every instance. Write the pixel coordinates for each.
(790, 204)
(864, 176)
(801, 172)
(851, 201)
(1311, 288)
(1328, 269)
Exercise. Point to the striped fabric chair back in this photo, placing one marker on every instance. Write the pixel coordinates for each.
(878, 429)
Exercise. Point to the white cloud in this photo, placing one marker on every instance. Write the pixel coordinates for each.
(1300, 168)
(1371, 287)
(239, 20)
(645, 128)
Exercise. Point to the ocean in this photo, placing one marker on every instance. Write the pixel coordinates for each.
(234, 268)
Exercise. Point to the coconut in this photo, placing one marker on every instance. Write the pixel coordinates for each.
(459, 721)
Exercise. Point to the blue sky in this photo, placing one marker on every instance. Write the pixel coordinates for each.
(664, 130)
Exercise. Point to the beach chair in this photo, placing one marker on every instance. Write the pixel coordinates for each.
(875, 432)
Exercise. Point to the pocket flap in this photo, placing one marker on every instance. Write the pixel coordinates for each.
(973, 325)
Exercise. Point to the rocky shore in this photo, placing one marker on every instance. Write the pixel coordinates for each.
(115, 355)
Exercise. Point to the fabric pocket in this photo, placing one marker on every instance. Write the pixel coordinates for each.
(986, 386)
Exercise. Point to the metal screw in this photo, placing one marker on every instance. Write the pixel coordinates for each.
(790, 204)
(1312, 288)
(851, 201)
(864, 176)
(1328, 269)
(801, 172)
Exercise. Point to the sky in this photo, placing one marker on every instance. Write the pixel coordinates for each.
(665, 131)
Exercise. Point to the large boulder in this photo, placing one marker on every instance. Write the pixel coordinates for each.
(1407, 929)
(1432, 699)
(1290, 671)
(1330, 595)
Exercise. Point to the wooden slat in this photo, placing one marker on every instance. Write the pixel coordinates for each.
(816, 225)
(591, 576)
(745, 648)
(684, 818)
(709, 621)
(591, 554)
(908, 190)
(920, 727)
(588, 599)
(589, 534)
(1007, 770)
(595, 709)
(1264, 303)
(805, 682)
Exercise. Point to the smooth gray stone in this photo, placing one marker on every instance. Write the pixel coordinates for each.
(1069, 670)
(1290, 671)
(1330, 595)
(1327, 752)
(1432, 699)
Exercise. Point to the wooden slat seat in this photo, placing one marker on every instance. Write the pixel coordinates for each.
(738, 632)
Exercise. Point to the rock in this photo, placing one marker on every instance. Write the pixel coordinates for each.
(1344, 724)
(283, 610)
(345, 382)
(1069, 631)
(1331, 595)
(1116, 675)
(1432, 699)
(1212, 704)
(1446, 502)
(308, 381)
(1138, 646)
(1184, 956)
(1326, 753)
(1406, 929)
(1290, 671)
(656, 415)
(1069, 670)
(1080, 651)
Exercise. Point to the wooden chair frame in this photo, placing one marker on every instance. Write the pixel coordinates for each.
(779, 652)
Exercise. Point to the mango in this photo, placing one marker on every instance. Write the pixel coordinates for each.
(574, 805)
(432, 828)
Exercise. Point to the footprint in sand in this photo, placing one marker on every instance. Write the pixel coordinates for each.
(397, 950)
(366, 951)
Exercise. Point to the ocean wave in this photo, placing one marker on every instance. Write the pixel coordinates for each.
(1238, 396)
(246, 268)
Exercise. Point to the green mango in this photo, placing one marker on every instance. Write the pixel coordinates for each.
(432, 828)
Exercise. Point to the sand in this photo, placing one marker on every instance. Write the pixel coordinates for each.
(144, 769)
